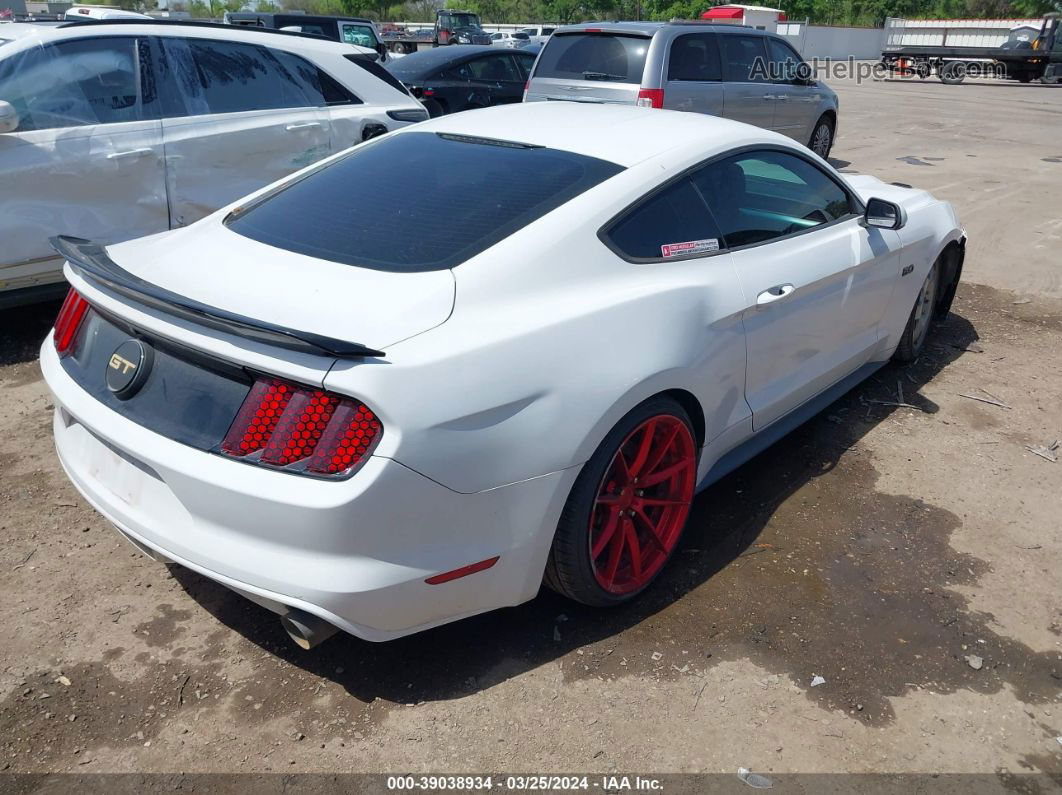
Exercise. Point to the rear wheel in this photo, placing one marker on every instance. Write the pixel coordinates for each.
(627, 509)
(434, 108)
(822, 138)
(917, 330)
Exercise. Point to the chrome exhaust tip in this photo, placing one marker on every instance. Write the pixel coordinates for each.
(306, 629)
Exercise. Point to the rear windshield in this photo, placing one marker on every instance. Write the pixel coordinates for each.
(608, 57)
(419, 201)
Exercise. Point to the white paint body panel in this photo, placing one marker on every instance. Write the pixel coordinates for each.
(501, 377)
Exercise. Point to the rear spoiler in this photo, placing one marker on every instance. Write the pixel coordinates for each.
(90, 261)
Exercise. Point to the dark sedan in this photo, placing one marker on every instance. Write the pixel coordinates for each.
(463, 77)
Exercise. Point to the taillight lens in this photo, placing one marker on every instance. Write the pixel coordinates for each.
(68, 322)
(301, 429)
(650, 98)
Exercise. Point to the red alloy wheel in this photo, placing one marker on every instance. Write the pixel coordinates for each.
(642, 504)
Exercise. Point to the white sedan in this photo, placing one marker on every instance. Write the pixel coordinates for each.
(380, 397)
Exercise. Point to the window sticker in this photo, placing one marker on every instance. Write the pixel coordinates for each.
(689, 247)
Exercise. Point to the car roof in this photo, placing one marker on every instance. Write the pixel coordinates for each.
(17, 30)
(417, 62)
(651, 28)
(269, 37)
(622, 134)
(307, 17)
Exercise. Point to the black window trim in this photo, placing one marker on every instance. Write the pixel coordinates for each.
(854, 202)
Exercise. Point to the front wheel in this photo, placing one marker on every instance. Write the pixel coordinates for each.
(917, 330)
(627, 509)
(822, 138)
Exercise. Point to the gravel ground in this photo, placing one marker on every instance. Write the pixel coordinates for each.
(908, 556)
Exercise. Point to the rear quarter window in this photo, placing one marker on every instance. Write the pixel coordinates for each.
(594, 56)
(675, 222)
(452, 198)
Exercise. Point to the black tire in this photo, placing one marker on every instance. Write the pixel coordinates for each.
(434, 108)
(952, 73)
(923, 69)
(916, 332)
(569, 569)
(821, 141)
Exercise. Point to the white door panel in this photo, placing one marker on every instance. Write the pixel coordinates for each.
(84, 161)
(214, 159)
(834, 285)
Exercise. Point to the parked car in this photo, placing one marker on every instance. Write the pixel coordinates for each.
(463, 77)
(101, 12)
(113, 130)
(350, 30)
(377, 415)
(731, 71)
(509, 39)
(539, 33)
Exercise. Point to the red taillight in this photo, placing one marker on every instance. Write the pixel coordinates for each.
(650, 98)
(68, 321)
(301, 429)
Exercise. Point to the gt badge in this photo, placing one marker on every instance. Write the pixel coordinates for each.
(128, 368)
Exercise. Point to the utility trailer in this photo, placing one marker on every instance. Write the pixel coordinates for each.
(1014, 49)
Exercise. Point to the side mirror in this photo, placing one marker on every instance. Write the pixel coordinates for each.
(9, 119)
(381, 48)
(884, 214)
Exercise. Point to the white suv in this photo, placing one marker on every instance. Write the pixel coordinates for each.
(115, 130)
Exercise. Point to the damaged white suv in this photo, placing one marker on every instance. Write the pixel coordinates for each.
(115, 130)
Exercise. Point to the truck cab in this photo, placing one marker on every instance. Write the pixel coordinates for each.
(458, 27)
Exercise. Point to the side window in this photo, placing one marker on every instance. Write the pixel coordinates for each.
(694, 57)
(319, 87)
(758, 196)
(227, 77)
(524, 62)
(786, 65)
(458, 72)
(673, 223)
(745, 57)
(548, 31)
(73, 83)
(361, 35)
(495, 68)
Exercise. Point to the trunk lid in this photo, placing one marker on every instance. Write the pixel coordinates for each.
(213, 265)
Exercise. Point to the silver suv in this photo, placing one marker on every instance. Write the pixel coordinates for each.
(724, 70)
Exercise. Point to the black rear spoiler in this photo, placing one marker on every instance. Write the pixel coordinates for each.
(90, 261)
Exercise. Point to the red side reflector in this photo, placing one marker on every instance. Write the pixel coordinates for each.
(650, 98)
(68, 321)
(301, 429)
(591, 30)
(464, 571)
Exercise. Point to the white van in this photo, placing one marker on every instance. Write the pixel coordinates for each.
(101, 12)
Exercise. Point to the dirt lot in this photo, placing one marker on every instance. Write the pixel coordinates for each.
(909, 556)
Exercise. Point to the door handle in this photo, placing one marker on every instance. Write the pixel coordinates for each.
(781, 97)
(132, 153)
(774, 294)
(769, 96)
(306, 125)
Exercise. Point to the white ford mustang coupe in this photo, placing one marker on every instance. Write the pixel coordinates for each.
(413, 382)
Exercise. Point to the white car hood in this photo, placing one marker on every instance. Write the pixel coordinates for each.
(211, 264)
(873, 188)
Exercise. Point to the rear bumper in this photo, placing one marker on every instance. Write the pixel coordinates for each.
(355, 552)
